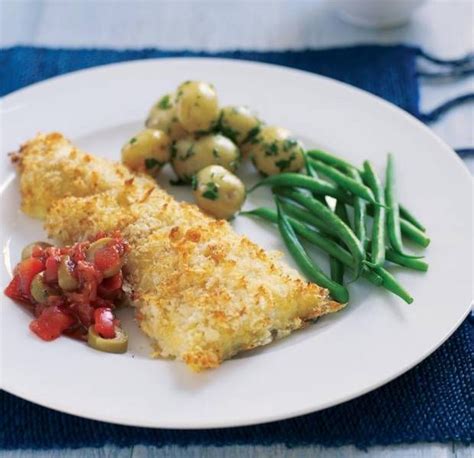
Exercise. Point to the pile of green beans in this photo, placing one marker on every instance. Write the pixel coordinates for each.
(304, 213)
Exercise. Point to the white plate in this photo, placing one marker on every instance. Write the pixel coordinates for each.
(375, 339)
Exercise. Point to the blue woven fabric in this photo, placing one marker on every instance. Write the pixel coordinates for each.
(431, 403)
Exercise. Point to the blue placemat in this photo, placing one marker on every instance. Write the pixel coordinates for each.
(431, 403)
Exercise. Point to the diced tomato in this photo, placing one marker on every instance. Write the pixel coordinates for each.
(89, 278)
(107, 258)
(26, 270)
(110, 286)
(37, 251)
(84, 312)
(78, 251)
(104, 323)
(13, 290)
(51, 269)
(51, 323)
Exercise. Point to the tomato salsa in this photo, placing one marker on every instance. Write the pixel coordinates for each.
(74, 290)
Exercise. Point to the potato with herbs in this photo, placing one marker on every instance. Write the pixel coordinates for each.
(190, 155)
(162, 116)
(218, 191)
(276, 151)
(239, 124)
(197, 106)
(147, 151)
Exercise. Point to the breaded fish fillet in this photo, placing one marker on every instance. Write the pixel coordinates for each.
(202, 292)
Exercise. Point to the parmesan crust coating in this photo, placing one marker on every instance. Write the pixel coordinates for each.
(202, 292)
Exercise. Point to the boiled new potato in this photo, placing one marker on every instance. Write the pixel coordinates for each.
(276, 151)
(218, 191)
(147, 151)
(162, 116)
(239, 124)
(190, 155)
(197, 107)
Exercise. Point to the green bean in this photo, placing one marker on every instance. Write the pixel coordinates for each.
(360, 206)
(338, 227)
(338, 292)
(393, 212)
(303, 215)
(402, 260)
(317, 239)
(378, 226)
(390, 283)
(335, 161)
(344, 181)
(329, 159)
(410, 231)
(297, 180)
(341, 211)
(336, 267)
(405, 213)
(313, 174)
(309, 169)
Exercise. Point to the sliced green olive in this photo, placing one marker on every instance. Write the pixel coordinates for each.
(28, 250)
(66, 280)
(118, 344)
(40, 290)
(99, 245)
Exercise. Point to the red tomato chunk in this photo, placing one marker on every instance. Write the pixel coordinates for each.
(26, 270)
(104, 322)
(51, 323)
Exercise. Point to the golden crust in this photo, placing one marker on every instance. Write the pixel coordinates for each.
(56, 169)
(202, 292)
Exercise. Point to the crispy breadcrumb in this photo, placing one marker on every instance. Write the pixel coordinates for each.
(202, 292)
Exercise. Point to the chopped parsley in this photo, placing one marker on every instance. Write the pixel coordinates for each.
(271, 149)
(252, 133)
(151, 163)
(194, 182)
(228, 132)
(289, 143)
(284, 164)
(133, 140)
(173, 150)
(211, 192)
(217, 124)
(189, 153)
(164, 102)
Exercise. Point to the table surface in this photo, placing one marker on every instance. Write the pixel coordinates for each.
(442, 27)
